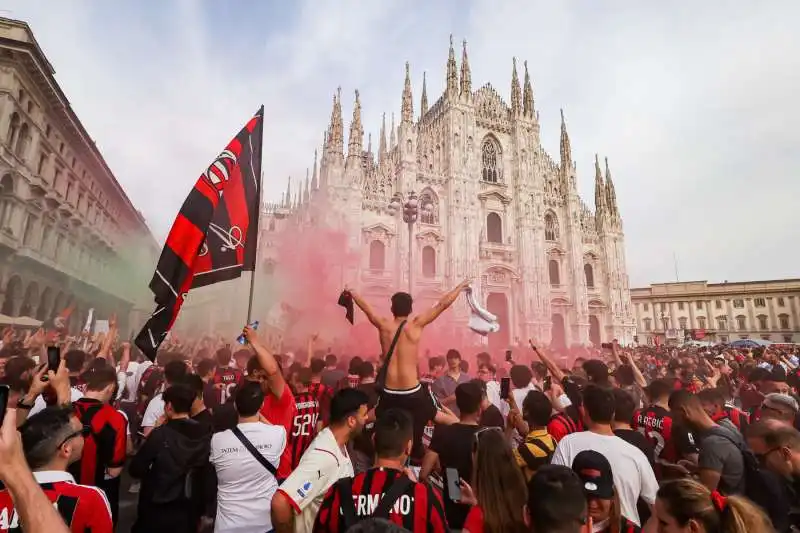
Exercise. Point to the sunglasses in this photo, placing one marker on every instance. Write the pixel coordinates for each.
(85, 431)
(477, 436)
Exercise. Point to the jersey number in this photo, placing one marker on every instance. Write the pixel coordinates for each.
(657, 439)
(303, 424)
(225, 392)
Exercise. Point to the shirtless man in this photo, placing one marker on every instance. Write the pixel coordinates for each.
(402, 388)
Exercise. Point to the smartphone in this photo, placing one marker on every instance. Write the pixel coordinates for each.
(505, 388)
(453, 484)
(508, 355)
(607, 346)
(4, 390)
(547, 383)
(53, 358)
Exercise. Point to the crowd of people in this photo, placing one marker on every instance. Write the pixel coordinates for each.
(612, 440)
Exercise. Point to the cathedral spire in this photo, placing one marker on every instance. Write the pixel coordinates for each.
(314, 179)
(599, 188)
(288, 197)
(527, 95)
(466, 75)
(382, 141)
(356, 131)
(566, 150)
(423, 105)
(306, 189)
(369, 143)
(452, 74)
(335, 130)
(407, 116)
(516, 96)
(611, 194)
(393, 135)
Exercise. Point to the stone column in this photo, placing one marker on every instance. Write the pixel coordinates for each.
(773, 318)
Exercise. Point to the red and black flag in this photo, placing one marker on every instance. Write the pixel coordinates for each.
(214, 236)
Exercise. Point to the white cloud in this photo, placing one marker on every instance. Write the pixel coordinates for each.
(695, 106)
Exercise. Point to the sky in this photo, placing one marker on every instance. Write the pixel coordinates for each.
(696, 106)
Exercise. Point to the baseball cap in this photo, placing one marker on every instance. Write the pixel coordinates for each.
(780, 402)
(595, 473)
(556, 498)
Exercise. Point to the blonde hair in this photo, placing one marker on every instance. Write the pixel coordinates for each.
(686, 500)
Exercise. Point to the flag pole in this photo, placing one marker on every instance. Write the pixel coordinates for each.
(255, 267)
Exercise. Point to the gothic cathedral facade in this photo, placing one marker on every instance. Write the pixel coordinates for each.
(500, 210)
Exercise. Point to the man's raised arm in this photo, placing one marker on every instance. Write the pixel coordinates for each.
(429, 315)
(374, 319)
(267, 362)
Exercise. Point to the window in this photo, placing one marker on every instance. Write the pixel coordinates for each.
(723, 338)
(701, 322)
(718, 304)
(550, 227)
(744, 337)
(74, 161)
(682, 322)
(429, 262)
(13, 129)
(555, 275)
(699, 305)
(680, 306)
(784, 321)
(781, 303)
(762, 322)
(69, 190)
(271, 224)
(47, 131)
(23, 141)
(648, 324)
(662, 307)
(61, 148)
(759, 302)
(738, 304)
(57, 179)
(646, 307)
(765, 337)
(722, 322)
(27, 232)
(490, 157)
(494, 228)
(787, 338)
(589, 273)
(42, 161)
(377, 255)
(741, 322)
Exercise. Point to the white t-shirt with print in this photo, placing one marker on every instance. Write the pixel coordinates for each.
(633, 475)
(39, 404)
(323, 464)
(244, 487)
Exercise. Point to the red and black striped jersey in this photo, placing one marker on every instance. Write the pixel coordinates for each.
(739, 418)
(84, 509)
(304, 425)
(561, 425)
(323, 394)
(105, 446)
(420, 509)
(225, 381)
(149, 384)
(671, 442)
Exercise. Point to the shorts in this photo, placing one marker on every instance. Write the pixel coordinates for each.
(419, 402)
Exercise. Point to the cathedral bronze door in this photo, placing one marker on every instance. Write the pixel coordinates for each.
(558, 332)
(594, 331)
(497, 304)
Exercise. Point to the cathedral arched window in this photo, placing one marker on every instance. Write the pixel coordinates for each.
(494, 228)
(550, 227)
(377, 255)
(271, 224)
(428, 197)
(490, 157)
(429, 262)
(555, 273)
(588, 271)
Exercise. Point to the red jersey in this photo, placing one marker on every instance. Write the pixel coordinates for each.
(149, 384)
(561, 425)
(281, 412)
(739, 418)
(84, 509)
(419, 509)
(225, 381)
(304, 425)
(323, 394)
(105, 446)
(670, 442)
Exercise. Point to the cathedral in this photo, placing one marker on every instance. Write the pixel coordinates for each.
(489, 204)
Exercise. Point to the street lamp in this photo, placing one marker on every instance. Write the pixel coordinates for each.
(410, 209)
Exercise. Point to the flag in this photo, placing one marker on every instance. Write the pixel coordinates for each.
(215, 234)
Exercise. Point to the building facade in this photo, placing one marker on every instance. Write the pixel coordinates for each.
(69, 235)
(500, 210)
(718, 312)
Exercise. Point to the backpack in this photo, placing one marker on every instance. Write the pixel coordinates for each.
(761, 486)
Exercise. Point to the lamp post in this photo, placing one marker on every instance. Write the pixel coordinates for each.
(410, 208)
